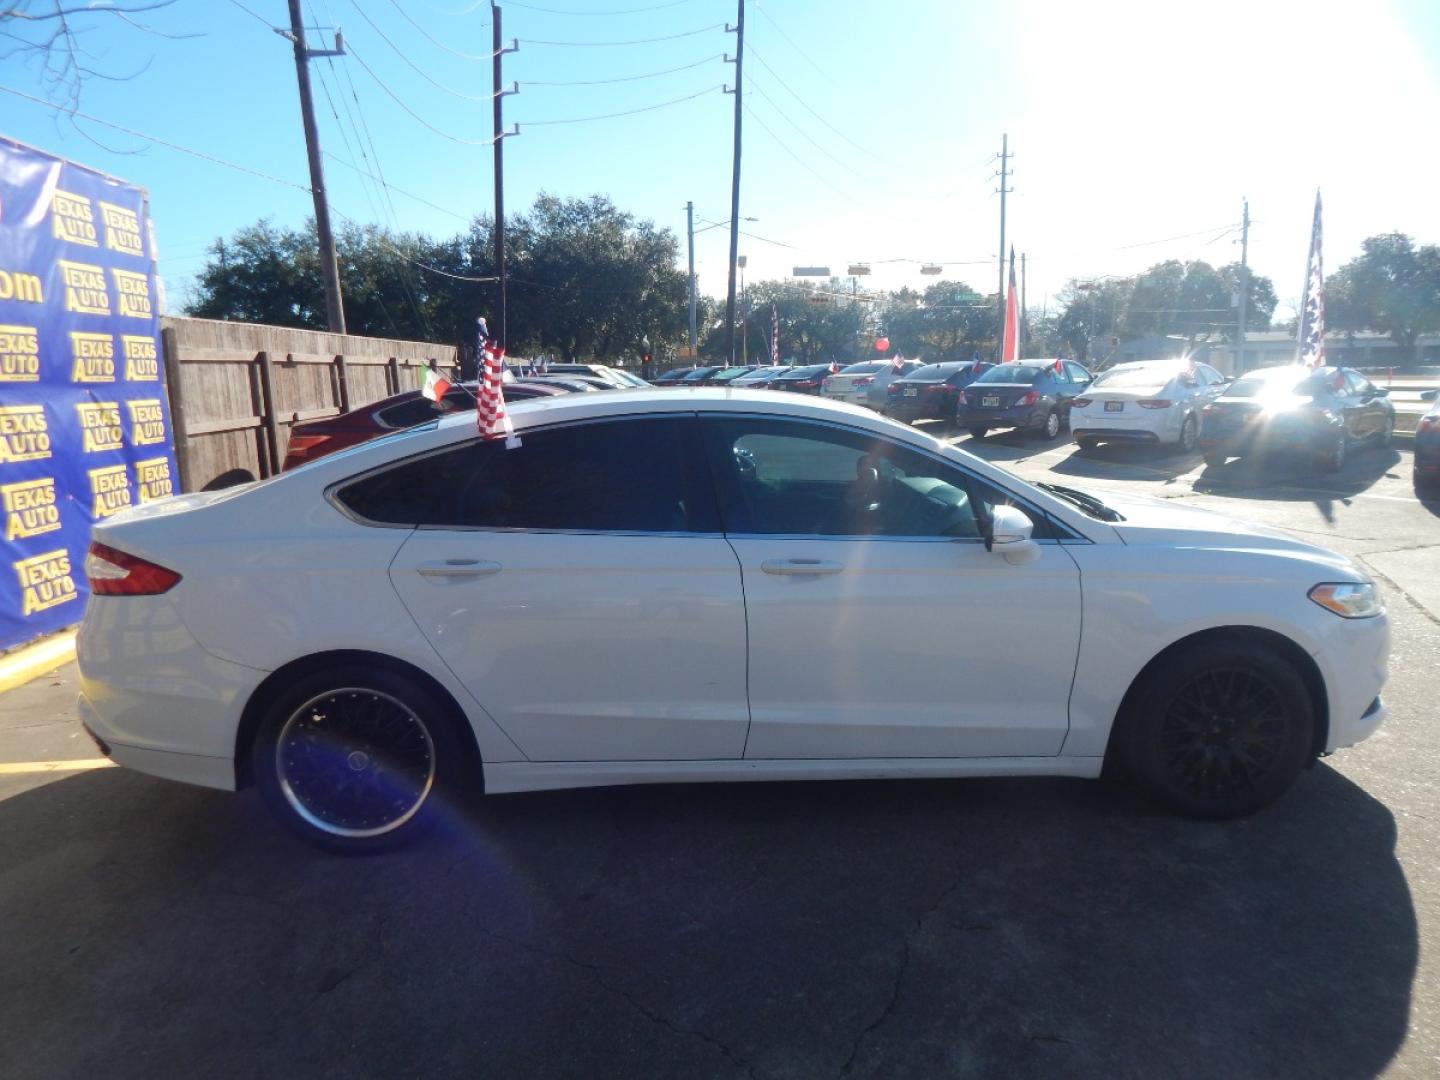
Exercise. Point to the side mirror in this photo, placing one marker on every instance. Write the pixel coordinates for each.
(1380, 391)
(1008, 534)
(1428, 395)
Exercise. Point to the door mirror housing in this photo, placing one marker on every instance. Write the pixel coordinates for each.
(1008, 533)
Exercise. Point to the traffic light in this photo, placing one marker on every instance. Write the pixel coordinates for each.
(645, 358)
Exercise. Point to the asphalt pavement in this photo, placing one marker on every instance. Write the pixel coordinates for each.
(879, 929)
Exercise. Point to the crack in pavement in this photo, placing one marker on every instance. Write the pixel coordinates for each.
(900, 971)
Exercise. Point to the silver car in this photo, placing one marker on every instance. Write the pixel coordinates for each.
(865, 383)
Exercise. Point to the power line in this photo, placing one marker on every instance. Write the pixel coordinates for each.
(623, 11)
(153, 138)
(798, 159)
(1183, 236)
(437, 42)
(411, 63)
(627, 112)
(398, 190)
(753, 236)
(426, 123)
(626, 78)
(807, 136)
(781, 31)
(636, 41)
(803, 102)
(253, 14)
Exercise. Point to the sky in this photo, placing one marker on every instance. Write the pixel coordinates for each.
(871, 131)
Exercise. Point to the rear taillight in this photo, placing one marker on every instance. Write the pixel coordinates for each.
(1080, 402)
(301, 445)
(937, 388)
(1155, 403)
(1029, 398)
(1428, 423)
(866, 381)
(825, 383)
(118, 573)
(807, 383)
(1210, 410)
(960, 398)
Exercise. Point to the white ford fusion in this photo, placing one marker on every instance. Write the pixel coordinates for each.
(706, 585)
(1150, 401)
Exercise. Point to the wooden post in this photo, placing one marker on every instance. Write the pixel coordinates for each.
(267, 417)
(392, 374)
(180, 429)
(344, 374)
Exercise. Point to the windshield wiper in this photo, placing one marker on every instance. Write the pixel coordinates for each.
(1089, 503)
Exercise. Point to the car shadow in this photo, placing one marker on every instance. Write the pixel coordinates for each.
(1009, 444)
(1024, 927)
(1287, 479)
(1128, 461)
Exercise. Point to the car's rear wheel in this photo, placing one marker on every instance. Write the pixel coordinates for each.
(1189, 434)
(978, 432)
(1087, 444)
(1387, 434)
(1050, 426)
(1214, 461)
(354, 759)
(1218, 731)
(1334, 459)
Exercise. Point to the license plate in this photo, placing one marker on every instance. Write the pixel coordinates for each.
(1114, 406)
(911, 391)
(990, 402)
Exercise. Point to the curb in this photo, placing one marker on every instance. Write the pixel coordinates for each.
(32, 661)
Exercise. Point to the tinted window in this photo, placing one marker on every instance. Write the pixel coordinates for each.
(867, 368)
(636, 475)
(1011, 373)
(415, 411)
(783, 477)
(1078, 375)
(934, 372)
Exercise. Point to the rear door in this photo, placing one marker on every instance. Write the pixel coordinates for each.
(578, 586)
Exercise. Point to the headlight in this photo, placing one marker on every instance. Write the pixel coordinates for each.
(1349, 599)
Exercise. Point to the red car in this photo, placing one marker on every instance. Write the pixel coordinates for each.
(316, 438)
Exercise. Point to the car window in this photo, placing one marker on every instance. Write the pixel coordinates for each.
(1010, 373)
(1358, 384)
(631, 475)
(409, 413)
(795, 478)
(1078, 375)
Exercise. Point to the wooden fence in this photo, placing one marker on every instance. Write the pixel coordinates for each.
(236, 389)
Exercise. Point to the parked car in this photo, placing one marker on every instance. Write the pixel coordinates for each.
(865, 383)
(1315, 412)
(372, 638)
(802, 380)
(313, 439)
(1427, 444)
(728, 375)
(1032, 394)
(931, 392)
(572, 383)
(698, 376)
(1150, 401)
(761, 377)
(671, 377)
(628, 378)
(614, 377)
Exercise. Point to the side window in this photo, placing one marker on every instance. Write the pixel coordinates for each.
(792, 478)
(1077, 374)
(632, 475)
(1357, 384)
(408, 413)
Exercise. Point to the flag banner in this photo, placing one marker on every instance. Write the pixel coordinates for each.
(774, 335)
(436, 385)
(84, 415)
(1010, 345)
(1312, 313)
(490, 415)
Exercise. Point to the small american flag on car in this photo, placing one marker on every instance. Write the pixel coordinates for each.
(1312, 312)
(490, 415)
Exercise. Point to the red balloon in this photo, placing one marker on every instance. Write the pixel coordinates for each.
(881, 344)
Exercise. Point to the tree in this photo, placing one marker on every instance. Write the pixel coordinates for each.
(815, 325)
(1392, 288)
(949, 321)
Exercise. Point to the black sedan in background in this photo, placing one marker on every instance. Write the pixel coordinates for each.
(761, 377)
(1316, 412)
(802, 380)
(1030, 394)
(1427, 445)
(931, 392)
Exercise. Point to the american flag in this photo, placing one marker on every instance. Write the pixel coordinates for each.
(490, 415)
(774, 335)
(1312, 313)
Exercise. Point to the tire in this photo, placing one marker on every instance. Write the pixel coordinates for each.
(1387, 434)
(389, 742)
(1198, 717)
(1334, 461)
(978, 432)
(1087, 445)
(1189, 435)
(1050, 428)
(1214, 461)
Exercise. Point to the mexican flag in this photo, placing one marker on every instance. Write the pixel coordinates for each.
(435, 385)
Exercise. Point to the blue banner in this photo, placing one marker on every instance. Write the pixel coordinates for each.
(84, 418)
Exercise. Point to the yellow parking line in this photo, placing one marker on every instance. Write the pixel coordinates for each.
(31, 662)
(16, 768)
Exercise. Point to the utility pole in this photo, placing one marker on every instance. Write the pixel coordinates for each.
(739, 29)
(1004, 172)
(690, 232)
(499, 92)
(1024, 329)
(329, 263)
(1244, 290)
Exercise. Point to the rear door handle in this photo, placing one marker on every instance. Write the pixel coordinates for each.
(800, 566)
(458, 568)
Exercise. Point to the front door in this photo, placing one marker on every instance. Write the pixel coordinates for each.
(579, 587)
(880, 627)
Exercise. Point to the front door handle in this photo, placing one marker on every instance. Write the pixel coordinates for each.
(458, 568)
(800, 566)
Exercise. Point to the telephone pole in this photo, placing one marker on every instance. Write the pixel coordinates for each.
(739, 29)
(329, 263)
(1244, 290)
(690, 232)
(499, 92)
(1004, 172)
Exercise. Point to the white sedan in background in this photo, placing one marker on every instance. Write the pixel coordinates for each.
(1150, 401)
(742, 585)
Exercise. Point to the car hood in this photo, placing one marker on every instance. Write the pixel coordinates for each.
(1172, 523)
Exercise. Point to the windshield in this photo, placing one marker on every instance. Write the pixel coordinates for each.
(1291, 379)
(807, 372)
(1011, 373)
(1127, 378)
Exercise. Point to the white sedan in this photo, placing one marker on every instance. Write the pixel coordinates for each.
(1150, 401)
(743, 586)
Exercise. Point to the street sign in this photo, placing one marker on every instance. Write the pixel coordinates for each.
(859, 269)
(931, 268)
(810, 271)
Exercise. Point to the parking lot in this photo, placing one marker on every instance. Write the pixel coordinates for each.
(968, 928)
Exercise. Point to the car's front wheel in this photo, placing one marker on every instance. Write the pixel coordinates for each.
(1219, 730)
(354, 759)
